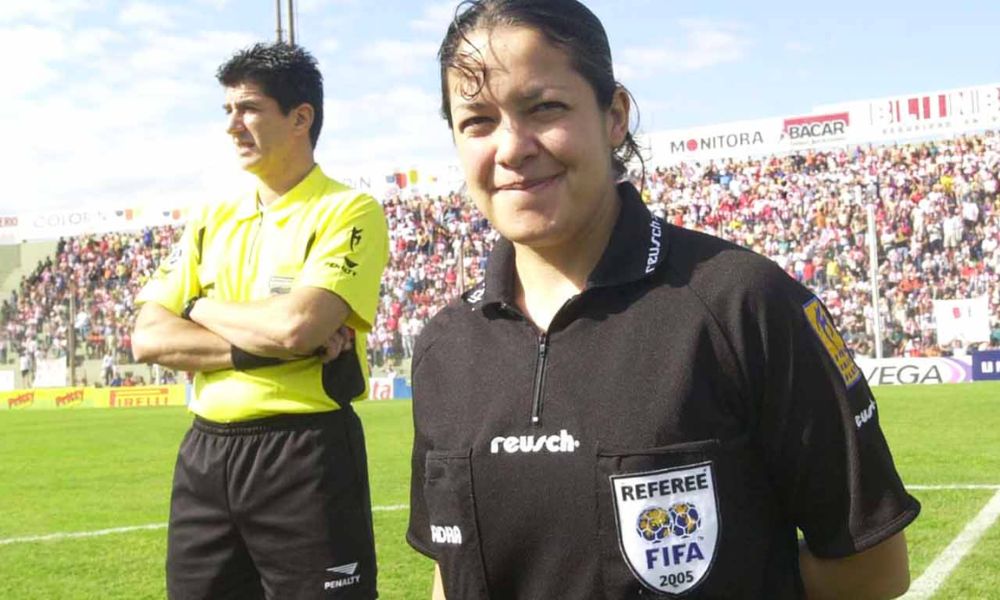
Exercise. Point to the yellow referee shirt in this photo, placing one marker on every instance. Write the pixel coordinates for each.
(319, 234)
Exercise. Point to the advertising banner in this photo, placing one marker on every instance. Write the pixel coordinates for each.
(10, 231)
(895, 371)
(401, 389)
(815, 131)
(739, 139)
(138, 397)
(63, 398)
(50, 372)
(49, 398)
(924, 114)
(17, 400)
(380, 388)
(88, 397)
(940, 113)
(986, 365)
(53, 224)
(966, 320)
(431, 179)
(6, 381)
(388, 388)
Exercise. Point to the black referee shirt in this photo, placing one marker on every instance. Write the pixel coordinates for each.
(680, 419)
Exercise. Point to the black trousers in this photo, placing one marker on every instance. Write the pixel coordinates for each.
(275, 508)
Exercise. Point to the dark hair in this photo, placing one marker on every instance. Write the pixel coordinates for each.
(567, 24)
(284, 72)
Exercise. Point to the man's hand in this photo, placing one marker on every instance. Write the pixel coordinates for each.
(340, 341)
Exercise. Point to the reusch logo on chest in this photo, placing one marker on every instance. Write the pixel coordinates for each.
(668, 525)
(532, 444)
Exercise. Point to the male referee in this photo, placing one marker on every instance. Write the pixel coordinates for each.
(268, 298)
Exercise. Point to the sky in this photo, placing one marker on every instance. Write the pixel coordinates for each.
(114, 103)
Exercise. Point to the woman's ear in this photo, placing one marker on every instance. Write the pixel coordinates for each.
(618, 114)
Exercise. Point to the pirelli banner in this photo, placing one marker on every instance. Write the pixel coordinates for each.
(88, 397)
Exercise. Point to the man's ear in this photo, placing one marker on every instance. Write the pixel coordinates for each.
(302, 117)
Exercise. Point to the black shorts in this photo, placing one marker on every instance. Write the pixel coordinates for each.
(272, 508)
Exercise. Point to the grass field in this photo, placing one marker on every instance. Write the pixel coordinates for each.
(89, 471)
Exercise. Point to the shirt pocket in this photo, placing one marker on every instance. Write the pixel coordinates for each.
(693, 519)
(451, 511)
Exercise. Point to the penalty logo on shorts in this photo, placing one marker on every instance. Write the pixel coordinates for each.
(668, 525)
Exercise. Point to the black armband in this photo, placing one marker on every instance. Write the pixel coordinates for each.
(244, 361)
(186, 312)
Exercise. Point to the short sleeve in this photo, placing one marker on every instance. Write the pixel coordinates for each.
(820, 428)
(418, 531)
(175, 280)
(348, 256)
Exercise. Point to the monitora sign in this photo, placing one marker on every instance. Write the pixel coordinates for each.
(722, 141)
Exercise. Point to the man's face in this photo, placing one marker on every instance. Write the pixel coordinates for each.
(263, 135)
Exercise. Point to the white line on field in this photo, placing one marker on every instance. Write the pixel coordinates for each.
(390, 508)
(99, 532)
(78, 534)
(386, 508)
(958, 486)
(930, 580)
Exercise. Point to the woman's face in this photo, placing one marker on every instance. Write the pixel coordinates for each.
(534, 145)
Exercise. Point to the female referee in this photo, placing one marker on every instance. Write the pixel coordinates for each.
(625, 408)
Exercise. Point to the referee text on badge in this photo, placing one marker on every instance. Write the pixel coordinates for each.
(668, 525)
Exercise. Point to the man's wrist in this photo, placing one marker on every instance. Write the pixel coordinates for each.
(186, 311)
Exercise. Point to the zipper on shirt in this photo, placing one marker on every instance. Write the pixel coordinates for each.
(536, 403)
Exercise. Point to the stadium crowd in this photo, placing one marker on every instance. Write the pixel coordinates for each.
(937, 227)
(100, 274)
(937, 221)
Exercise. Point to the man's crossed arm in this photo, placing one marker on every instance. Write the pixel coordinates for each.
(305, 322)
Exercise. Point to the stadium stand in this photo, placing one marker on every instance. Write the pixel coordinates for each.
(938, 229)
(100, 274)
(937, 221)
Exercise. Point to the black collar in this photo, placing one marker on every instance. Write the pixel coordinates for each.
(638, 245)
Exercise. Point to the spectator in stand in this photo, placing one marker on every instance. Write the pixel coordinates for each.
(27, 367)
(108, 367)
